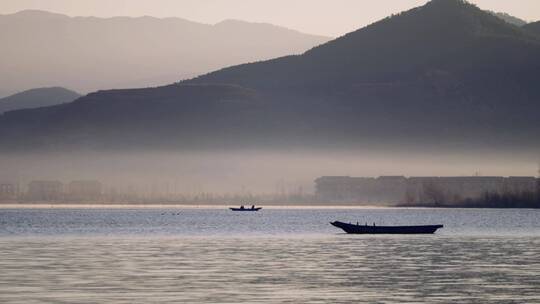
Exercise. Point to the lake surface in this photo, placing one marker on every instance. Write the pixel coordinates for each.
(272, 256)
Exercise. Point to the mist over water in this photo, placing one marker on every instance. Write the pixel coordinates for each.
(254, 171)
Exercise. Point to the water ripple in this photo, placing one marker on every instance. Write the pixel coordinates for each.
(78, 256)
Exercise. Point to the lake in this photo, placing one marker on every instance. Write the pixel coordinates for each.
(277, 255)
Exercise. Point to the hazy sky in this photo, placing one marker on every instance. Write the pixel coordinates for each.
(327, 17)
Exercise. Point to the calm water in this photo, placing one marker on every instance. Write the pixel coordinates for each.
(274, 256)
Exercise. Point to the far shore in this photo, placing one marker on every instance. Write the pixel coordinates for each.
(183, 206)
(42, 205)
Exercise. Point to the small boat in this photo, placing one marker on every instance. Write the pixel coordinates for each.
(365, 229)
(246, 209)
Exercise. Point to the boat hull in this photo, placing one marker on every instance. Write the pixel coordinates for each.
(245, 209)
(362, 229)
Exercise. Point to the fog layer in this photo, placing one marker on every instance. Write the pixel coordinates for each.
(250, 171)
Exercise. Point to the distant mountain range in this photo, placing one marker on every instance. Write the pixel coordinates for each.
(36, 98)
(446, 73)
(87, 53)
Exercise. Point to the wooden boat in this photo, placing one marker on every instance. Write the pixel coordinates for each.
(246, 209)
(365, 229)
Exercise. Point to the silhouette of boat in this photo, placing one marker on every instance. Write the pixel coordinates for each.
(366, 229)
(246, 209)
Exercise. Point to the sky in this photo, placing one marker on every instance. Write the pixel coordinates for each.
(324, 17)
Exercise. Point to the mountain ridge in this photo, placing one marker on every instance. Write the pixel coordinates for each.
(37, 98)
(358, 39)
(469, 78)
(509, 18)
(120, 52)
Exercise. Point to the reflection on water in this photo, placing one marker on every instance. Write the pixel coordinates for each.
(120, 262)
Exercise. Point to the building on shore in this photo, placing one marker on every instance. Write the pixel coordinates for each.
(401, 189)
(8, 191)
(45, 190)
(85, 190)
(360, 189)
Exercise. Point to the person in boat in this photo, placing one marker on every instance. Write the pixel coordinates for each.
(242, 207)
(252, 207)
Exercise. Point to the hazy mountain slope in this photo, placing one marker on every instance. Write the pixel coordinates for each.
(184, 116)
(442, 68)
(533, 27)
(399, 47)
(446, 73)
(509, 18)
(88, 53)
(35, 98)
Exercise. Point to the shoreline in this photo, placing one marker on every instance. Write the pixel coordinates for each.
(183, 206)
(222, 206)
(465, 206)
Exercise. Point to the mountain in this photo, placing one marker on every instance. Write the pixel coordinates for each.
(443, 34)
(136, 116)
(509, 18)
(36, 98)
(443, 74)
(533, 27)
(88, 53)
(444, 70)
